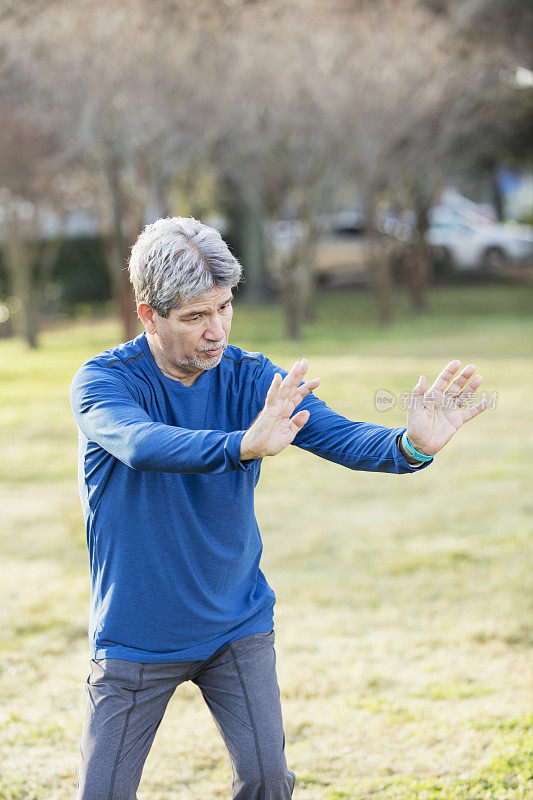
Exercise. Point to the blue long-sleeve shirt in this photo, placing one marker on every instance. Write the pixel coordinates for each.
(174, 546)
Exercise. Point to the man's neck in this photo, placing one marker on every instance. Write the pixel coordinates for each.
(185, 375)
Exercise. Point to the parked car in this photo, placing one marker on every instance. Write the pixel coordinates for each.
(463, 245)
(462, 235)
(342, 252)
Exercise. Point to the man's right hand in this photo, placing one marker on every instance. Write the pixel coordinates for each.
(274, 428)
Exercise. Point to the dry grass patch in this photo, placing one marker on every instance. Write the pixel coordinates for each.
(403, 622)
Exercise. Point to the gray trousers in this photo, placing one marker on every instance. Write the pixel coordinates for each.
(126, 701)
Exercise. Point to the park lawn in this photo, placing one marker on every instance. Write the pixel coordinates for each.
(403, 616)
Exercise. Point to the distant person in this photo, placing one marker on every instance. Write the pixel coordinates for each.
(172, 429)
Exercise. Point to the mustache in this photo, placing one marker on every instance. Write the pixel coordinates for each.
(213, 346)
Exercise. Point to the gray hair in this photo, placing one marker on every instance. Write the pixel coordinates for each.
(178, 259)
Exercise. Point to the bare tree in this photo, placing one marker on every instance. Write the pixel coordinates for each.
(121, 89)
(461, 113)
(277, 141)
(421, 101)
(292, 101)
(28, 160)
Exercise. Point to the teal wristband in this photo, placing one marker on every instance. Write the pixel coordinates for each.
(408, 447)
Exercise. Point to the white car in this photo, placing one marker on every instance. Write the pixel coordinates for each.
(467, 245)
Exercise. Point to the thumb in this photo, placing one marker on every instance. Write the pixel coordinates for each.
(421, 386)
(300, 418)
(417, 395)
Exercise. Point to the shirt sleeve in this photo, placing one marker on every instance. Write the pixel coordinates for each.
(357, 445)
(107, 413)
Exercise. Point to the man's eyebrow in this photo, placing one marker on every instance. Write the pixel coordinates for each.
(194, 312)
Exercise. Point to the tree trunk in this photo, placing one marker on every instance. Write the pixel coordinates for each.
(122, 288)
(246, 237)
(419, 267)
(298, 283)
(127, 223)
(21, 262)
(292, 300)
(380, 270)
(309, 265)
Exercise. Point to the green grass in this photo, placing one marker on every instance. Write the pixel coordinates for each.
(404, 619)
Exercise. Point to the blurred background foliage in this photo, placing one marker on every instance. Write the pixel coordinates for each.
(317, 137)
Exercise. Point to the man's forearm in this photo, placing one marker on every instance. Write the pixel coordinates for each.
(108, 415)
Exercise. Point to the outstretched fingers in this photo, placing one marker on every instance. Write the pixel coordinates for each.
(274, 389)
(470, 413)
(294, 378)
(444, 377)
(291, 390)
(459, 383)
(292, 387)
(304, 389)
(465, 394)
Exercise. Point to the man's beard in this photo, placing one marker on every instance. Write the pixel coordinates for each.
(202, 364)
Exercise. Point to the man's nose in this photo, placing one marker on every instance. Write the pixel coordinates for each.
(215, 330)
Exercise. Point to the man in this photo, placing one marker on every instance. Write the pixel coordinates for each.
(173, 426)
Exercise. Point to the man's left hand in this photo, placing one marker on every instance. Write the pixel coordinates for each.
(435, 414)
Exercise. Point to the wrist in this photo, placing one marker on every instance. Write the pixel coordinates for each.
(247, 453)
(405, 454)
(411, 453)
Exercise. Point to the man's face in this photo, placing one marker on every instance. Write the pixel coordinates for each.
(194, 336)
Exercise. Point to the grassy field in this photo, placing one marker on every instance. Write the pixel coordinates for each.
(404, 603)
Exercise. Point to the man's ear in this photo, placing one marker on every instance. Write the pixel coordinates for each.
(148, 317)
